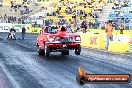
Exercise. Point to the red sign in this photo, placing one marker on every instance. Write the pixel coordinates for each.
(93, 40)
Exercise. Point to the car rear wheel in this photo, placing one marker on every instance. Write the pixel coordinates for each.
(47, 51)
(78, 50)
(41, 51)
(66, 52)
(37, 45)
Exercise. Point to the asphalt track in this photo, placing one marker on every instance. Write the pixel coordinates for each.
(22, 67)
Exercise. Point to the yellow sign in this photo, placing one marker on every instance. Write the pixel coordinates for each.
(35, 30)
(93, 41)
(118, 46)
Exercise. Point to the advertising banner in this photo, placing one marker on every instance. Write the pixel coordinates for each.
(18, 27)
(93, 41)
(5, 27)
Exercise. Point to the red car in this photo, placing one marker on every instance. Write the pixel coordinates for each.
(51, 39)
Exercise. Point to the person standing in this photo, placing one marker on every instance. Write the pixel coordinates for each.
(69, 30)
(11, 34)
(0, 19)
(5, 18)
(121, 28)
(23, 32)
(84, 26)
(109, 35)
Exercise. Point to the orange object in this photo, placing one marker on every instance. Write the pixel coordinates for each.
(81, 71)
(109, 29)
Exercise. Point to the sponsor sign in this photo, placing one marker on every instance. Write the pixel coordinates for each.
(93, 40)
(82, 77)
(5, 27)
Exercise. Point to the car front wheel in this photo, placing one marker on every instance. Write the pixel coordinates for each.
(41, 51)
(47, 50)
(78, 50)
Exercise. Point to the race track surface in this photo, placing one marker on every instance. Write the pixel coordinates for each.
(22, 67)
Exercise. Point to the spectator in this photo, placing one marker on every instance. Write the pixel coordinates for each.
(90, 24)
(11, 4)
(19, 20)
(95, 24)
(5, 18)
(84, 26)
(0, 19)
(23, 32)
(109, 36)
(69, 30)
(109, 1)
(1, 3)
(127, 23)
(121, 28)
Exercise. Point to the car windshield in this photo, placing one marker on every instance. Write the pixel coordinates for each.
(51, 29)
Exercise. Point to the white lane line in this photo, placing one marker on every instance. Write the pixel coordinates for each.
(11, 79)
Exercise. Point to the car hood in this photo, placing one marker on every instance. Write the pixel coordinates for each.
(63, 34)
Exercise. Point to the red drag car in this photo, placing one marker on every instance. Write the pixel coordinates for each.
(51, 39)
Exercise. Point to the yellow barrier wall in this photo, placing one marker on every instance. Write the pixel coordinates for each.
(85, 39)
(93, 41)
(114, 31)
(97, 41)
(96, 31)
(27, 26)
(35, 30)
(118, 46)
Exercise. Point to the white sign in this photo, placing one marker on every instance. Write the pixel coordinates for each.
(5, 27)
(40, 21)
(18, 28)
(120, 37)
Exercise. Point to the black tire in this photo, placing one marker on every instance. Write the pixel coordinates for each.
(78, 50)
(41, 51)
(66, 52)
(37, 45)
(47, 51)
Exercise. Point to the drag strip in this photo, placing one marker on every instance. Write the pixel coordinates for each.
(29, 70)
